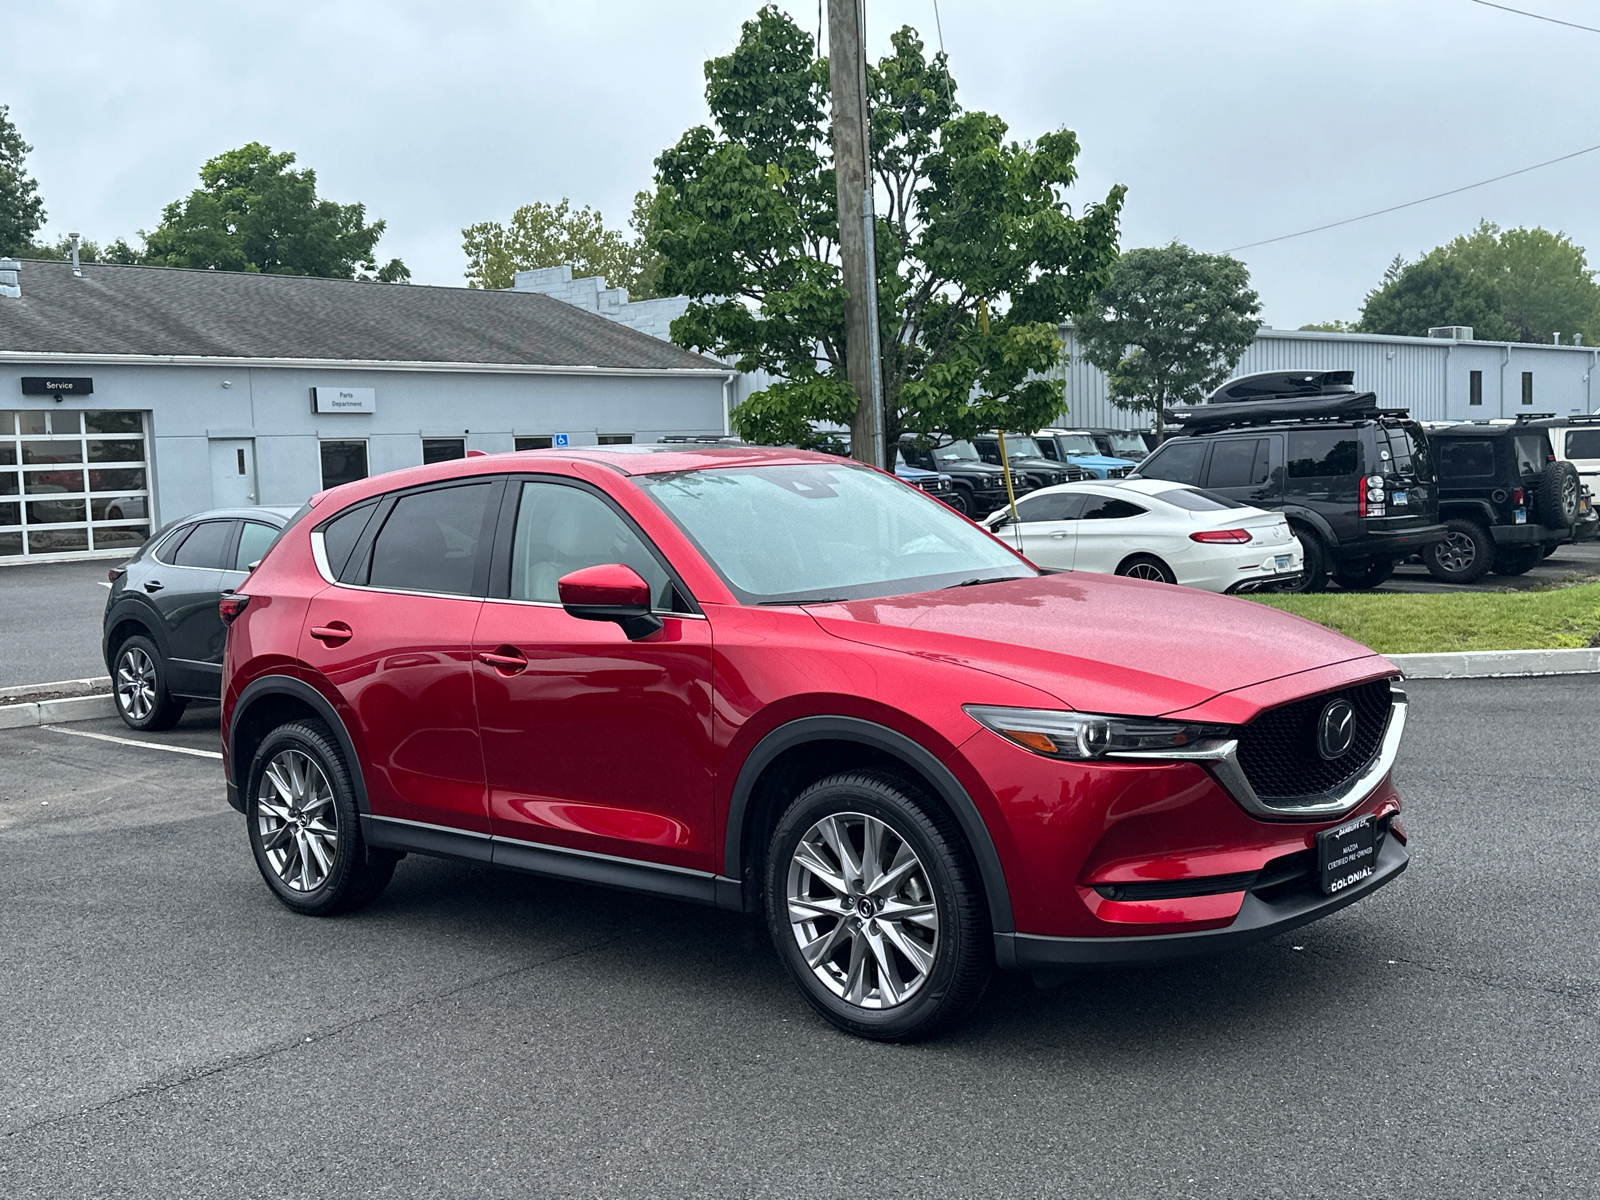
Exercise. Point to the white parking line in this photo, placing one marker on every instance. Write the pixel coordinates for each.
(106, 737)
(103, 583)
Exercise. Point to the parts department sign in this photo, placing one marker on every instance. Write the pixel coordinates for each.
(344, 400)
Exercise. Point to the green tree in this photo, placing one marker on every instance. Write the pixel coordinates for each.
(252, 213)
(21, 209)
(1170, 326)
(1515, 285)
(1334, 326)
(978, 254)
(554, 235)
(88, 252)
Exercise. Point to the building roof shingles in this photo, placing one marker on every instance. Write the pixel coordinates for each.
(113, 309)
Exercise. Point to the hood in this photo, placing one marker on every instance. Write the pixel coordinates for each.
(1098, 643)
(970, 466)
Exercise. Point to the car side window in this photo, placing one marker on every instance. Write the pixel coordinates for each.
(206, 547)
(1238, 462)
(340, 535)
(255, 539)
(1111, 510)
(431, 540)
(1583, 443)
(1061, 506)
(1178, 461)
(562, 529)
(1323, 453)
(169, 548)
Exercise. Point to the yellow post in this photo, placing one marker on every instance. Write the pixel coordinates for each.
(1005, 459)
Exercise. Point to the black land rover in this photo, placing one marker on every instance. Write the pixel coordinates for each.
(1505, 499)
(1355, 480)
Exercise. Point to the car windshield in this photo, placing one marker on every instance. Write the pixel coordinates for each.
(824, 531)
(957, 452)
(1076, 443)
(1127, 445)
(1022, 447)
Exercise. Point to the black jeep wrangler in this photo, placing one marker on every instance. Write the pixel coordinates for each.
(1505, 499)
(1354, 479)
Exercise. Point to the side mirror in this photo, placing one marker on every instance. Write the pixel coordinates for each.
(611, 592)
(999, 522)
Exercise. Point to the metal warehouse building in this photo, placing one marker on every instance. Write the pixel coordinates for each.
(1438, 378)
(131, 396)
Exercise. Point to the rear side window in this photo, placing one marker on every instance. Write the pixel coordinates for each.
(1467, 459)
(1062, 506)
(1324, 453)
(1111, 510)
(431, 541)
(255, 539)
(1583, 443)
(1531, 453)
(1178, 461)
(169, 548)
(1239, 462)
(563, 529)
(1198, 501)
(340, 535)
(206, 546)
(1408, 450)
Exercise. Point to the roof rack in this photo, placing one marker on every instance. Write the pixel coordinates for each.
(1338, 407)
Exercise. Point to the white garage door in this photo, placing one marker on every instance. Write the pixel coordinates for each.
(73, 482)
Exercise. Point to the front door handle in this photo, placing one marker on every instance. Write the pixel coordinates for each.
(507, 660)
(334, 633)
(1058, 534)
(152, 585)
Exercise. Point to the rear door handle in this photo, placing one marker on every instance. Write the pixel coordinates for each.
(152, 585)
(334, 633)
(507, 660)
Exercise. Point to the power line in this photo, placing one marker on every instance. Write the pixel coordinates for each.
(1537, 16)
(1413, 203)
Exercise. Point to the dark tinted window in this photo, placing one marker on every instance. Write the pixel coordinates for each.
(534, 443)
(1408, 451)
(343, 462)
(564, 529)
(1324, 453)
(1178, 461)
(169, 548)
(1531, 453)
(339, 536)
(1111, 510)
(1583, 443)
(1467, 459)
(1475, 388)
(430, 541)
(1238, 462)
(255, 539)
(1060, 506)
(1198, 501)
(443, 449)
(206, 546)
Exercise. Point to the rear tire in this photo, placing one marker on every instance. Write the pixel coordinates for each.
(305, 828)
(1465, 555)
(1518, 561)
(139, 687)
(849, 854)
(1146, 566)
(1363, 574)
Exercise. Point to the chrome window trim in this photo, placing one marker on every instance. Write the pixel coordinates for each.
(657, 612)
(1223, 759)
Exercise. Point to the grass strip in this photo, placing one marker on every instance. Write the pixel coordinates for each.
(1404, 623)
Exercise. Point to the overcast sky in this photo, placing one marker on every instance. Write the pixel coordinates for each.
(1229, 120)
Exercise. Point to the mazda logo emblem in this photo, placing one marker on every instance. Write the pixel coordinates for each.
(1336, 729)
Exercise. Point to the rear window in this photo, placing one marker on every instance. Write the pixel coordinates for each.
(1324, 453)
(1408, 451)
(1532, 452)
(1583, 443)
(1197, 501)
(1467, 459)
(1178, 461)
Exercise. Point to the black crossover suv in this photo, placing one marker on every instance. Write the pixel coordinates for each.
(163, 636)
(1355, 480)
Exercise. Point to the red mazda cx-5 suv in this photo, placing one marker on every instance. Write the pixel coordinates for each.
(775, 681)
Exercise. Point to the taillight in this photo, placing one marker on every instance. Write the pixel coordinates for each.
(1220, 535)
(116, 573)
(230, 607)
(1516, 495)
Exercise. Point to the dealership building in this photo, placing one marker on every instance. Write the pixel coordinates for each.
(131, 396)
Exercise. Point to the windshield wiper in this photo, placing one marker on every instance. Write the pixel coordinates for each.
(809, 600)
(975, 580)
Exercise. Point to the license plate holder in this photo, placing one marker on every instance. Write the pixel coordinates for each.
(1402, 497)
(1347, 854)
(1281, 562)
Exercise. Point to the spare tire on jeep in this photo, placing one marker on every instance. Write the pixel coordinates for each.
(1557, 495)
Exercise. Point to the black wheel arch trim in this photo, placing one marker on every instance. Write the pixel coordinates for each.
(1318, 523)
(854, 729)
(1468, 510)
(287, 685)
(130, 608)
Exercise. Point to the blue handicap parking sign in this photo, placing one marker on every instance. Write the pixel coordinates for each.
(561, 439)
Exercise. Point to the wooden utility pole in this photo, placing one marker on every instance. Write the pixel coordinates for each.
(852, 147)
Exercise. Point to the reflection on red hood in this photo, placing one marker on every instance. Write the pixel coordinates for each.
(1099, 643)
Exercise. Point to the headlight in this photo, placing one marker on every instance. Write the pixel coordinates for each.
(1088, 735)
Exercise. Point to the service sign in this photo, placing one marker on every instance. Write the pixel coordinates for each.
(41, 385)
(343, 400)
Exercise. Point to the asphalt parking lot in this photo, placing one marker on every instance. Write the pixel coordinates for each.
(1572, 563)
(171, 1031)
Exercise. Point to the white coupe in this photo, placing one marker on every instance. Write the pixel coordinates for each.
(1152, 529)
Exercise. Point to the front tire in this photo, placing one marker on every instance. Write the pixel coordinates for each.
(961, 500)
(305, 829)
(1465, 555)
(875, 907)
(139, 686)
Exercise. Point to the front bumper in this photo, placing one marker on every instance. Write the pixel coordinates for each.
(1257, 920)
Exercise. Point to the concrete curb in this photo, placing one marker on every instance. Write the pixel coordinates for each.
(68, 708)
(96, 683)
(1498, 664)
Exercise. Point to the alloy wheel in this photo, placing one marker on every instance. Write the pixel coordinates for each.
(136, 683)
(1146, 570)
(862, 911)
(297, 820)
(1456, 552)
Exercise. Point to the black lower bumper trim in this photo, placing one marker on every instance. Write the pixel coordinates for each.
(1257, 921)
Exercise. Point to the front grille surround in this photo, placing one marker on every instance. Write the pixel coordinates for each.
(1278, 750)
